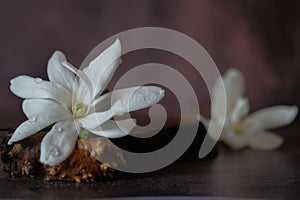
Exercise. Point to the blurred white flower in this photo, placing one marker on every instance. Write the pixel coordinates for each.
(72, 99)
(241, 130)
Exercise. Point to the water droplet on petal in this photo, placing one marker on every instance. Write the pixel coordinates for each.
(59, 129)
(54, 152)
(32, 119)
(38, 80)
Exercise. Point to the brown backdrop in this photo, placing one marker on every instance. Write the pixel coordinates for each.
(261, 38)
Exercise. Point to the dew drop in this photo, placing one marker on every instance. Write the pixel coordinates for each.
(38, 80)
(32, 119)
(59, 129)
(54, 152)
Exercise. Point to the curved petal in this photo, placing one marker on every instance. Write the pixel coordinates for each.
(216, 131)
(264, 141)
(102, 68)
(235, 86)
(203, 120)
(83, 86)
(115, 129)
(131, 99)
(58, 144)
(58, 73)
(96, 119)
(41, 113)
(45, 109)
(218, 105)
(240, 110)
(235, 141)
(35, 88)
(27, 129)
(272, 117)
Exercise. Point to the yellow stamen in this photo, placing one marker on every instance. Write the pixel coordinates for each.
(238, 131)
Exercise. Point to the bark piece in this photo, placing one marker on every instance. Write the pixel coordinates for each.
(89, 158)
(22, 159)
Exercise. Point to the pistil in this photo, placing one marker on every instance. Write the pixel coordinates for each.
(79, 109)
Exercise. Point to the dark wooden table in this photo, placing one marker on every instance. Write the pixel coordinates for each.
(246, 174)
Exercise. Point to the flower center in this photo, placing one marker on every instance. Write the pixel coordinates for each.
(238, 131)
(79, 109)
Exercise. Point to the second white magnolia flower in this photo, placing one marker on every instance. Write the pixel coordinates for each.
(241, 130)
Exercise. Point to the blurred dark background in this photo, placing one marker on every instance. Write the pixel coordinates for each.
(260, 38)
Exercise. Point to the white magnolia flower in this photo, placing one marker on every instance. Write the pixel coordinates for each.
(241, 130)
(72, 102)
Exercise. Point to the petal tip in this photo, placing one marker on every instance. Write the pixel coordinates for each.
(11, 87)
(265, 142)
(233, 71)
(117, 43)
(17, 83)
(9, 142)
(198, 117)
(162, 92)
(292, 112)
(16, 79)
(11, 81)
(57, 57)
(45, 162)
(234, 74)
(46, 159)
(295, 109)
(57, 52)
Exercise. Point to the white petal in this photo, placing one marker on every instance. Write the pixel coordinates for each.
(272, 117)
(31, 88)
(203, 120)
(45, 109)
(96, 119)
(83, 88)
(234, 140)
(214, 128)
(218, 105)
(58, 144)
(58, 73)
(102, 68)
(41, 113)
(240, 110)
(234, 87)
(115, 129)
(27, 129)
(264, 141)
(131, 99)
